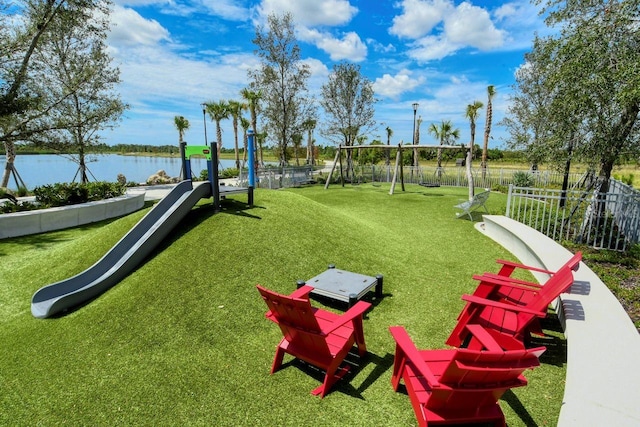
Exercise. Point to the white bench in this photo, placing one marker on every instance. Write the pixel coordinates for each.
(603, 345)
(476, 202)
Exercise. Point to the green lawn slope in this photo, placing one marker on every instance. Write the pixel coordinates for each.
(183, 339)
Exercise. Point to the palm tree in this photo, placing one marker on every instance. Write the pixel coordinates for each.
(181, 125)
(309, 125)
(253, 103)
(218, 111)
(245, 123)
(445, 134)
(491, 91)
(472, 114)
(235, 109)
(297, 143)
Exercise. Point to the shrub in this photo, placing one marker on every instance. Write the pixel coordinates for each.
(17, 207)
(522, 179)
(63, 194)
(22, 191)
(230, 173)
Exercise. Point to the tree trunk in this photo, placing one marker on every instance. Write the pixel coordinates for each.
(10, 151)
(470, 174)
(237, 150)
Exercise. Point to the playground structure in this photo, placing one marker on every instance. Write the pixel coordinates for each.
(397, 170)
(211, 155)
(141, 240)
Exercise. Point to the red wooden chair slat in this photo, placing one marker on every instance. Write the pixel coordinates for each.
(461, 385)
(502, 287)
(506, 317)
(319, 337)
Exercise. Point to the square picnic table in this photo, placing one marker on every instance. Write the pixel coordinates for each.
(343, 285)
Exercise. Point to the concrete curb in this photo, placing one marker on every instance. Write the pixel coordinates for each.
(603, 345)
(43, 220)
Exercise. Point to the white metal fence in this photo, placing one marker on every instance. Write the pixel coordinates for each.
(446, 176)
(610, 220)
(602, 220)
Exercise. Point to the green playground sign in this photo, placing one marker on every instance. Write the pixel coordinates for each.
(197, 150)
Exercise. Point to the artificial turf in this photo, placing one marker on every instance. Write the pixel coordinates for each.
(183, 339)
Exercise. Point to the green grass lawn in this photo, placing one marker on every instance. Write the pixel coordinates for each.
(183, 339)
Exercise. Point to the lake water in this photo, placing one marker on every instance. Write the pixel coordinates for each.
(41, 169)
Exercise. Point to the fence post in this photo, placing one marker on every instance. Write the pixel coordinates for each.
(509, 201)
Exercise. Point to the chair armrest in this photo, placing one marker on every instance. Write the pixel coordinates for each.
(516, 308)
(407, 346)
(483, 336)
(356, 311)
(302, 292)
(507, 279)
(523, 266)
(507, 282)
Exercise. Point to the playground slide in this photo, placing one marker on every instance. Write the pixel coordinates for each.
(130, 251)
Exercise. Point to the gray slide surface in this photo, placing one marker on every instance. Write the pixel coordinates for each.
(130, 251)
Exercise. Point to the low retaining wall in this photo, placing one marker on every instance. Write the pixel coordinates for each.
(43, 220)
(602, 386)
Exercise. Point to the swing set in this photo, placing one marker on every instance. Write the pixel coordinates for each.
(398, 169)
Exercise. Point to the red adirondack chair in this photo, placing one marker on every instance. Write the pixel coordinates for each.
(319, 337)
(517, 320)
(461, 385)
(491, 286)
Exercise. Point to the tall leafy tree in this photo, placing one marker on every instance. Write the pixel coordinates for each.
(218, 111)
(235, 110)
(348, 100)
(491, 92)
(282, 80)
(25, 102)
(526, 119)
(75, 61)
(471, 113)
(590, 77)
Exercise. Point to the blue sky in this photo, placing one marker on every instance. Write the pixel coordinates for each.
(174, 54)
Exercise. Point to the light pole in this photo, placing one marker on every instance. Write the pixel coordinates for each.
(204, 121)
(415, 110)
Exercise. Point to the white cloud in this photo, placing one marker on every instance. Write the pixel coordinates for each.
(472, 26)
(379, 47)
(350, 46)
(432, 48)
(419, 17)
(136, 3)
(317, 67)
(440, 28)
(394, 86)
(132, 29)
(311, 12)
(226, 9)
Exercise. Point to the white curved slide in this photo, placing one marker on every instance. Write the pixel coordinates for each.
(130, 251)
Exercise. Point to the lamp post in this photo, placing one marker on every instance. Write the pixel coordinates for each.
(415, 110)
(204, 121)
